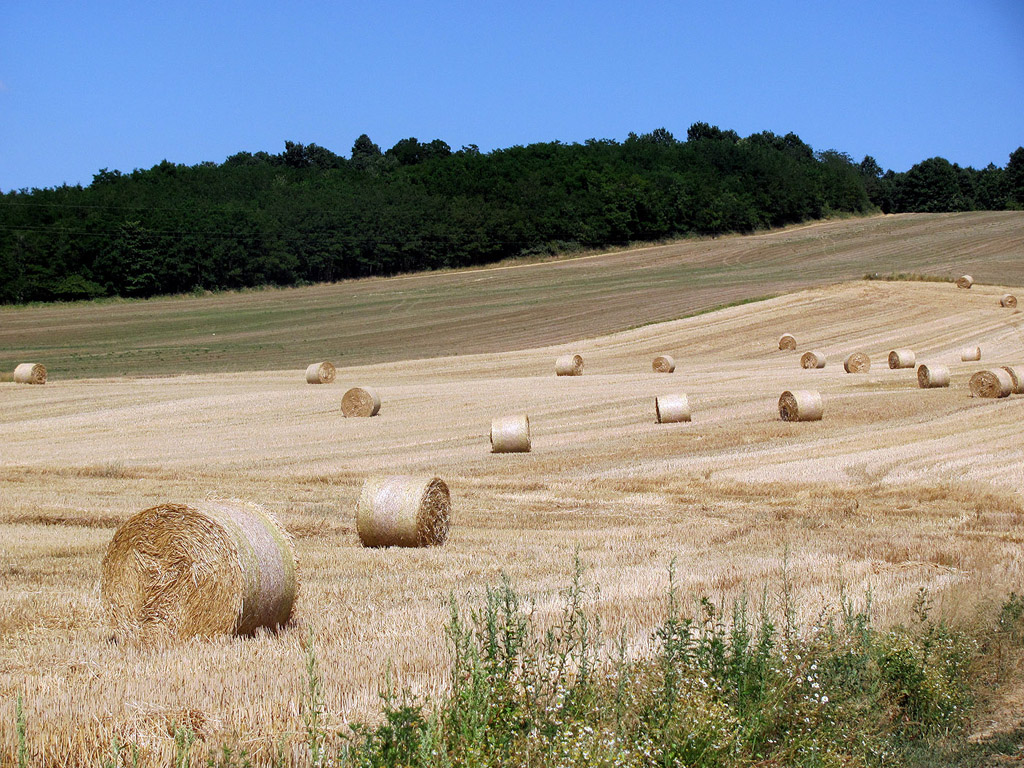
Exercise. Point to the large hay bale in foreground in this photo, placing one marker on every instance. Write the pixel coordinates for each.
(932, 376)
(214, 567)
(902, 358)
(1017, 377)
(663, 364)
(964, 281)
(569, 365)
(858, 362)
(403, 511)
(801, 405)
(30, 373)
(1008, 300)
(787, 342)
(812, 359)
(994, 382)
(360, 401)
(970, 354)
(669, 409)
(511, 434)
(320, 373)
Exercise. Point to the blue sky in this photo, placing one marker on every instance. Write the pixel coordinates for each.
(90, 85)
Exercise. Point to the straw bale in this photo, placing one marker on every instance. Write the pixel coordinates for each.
(403, 511)
(569, 365)
(1008, 300)
(932, 376)
(994, 382)
(801, 405)
(1017, 377)
(787, 342)
(812, 359)
(30, 373)
(360, 401)
(176, 571)
(511, 434)
(964, 281)
(858, 362)
(902, 358)
(669, 409)
(970, 354)
(320, 373)
(663, 364)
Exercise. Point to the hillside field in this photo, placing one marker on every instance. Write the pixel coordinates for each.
(895, 490)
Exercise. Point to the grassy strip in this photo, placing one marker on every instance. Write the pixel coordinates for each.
(916, 277)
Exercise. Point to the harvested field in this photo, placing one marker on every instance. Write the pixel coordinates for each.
(897, 489)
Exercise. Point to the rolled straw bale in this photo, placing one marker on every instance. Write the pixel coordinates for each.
(209, 568)
(1017, 377)
(858, 362)
(360, 401)
(403, 511)
(994, 382)
(964, 281)
(902, 358)
(787, 342)
(932, 376)
(1008, 300)
(801, 405)
(812, 359)
(30, 373)
(970, 354)
(510, 434)
(320, 373)
(663, 364)
(569, 365)
(669, 409)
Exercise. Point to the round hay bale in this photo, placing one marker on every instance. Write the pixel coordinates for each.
(320, 373)
(812, 359)
(932, 376)
(663, 364)
(403, 511)
(176, 571)
(902, 358)
(801, 405)
(994, 382)
(1008, 300)
(669, 409)
(970, 354)
(1017, 377)
(787, 342)
(30, 373)
(858, 362)
(964, 281)
(569, 365)
(511, 434)
(360, 401)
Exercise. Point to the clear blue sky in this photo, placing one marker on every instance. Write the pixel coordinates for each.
(90, 85)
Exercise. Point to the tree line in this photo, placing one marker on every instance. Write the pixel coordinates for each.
(309, 215)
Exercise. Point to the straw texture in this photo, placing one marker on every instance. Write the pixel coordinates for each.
(858, 362)
(403, 511)
(30, 373)
(787, 342)
(176, 571)
(663, 364)
(812, 359)
(964, 281)
(511, 434)
(932, 376)
(801, 405)
(669, 409)
(995, 382)
(360, 401)
(1008, 300)
(569, 365)
(902, 358)
(320, 373)
(970, 354)
(1017, 377)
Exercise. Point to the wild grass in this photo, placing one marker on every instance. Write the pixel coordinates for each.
(909, 276)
